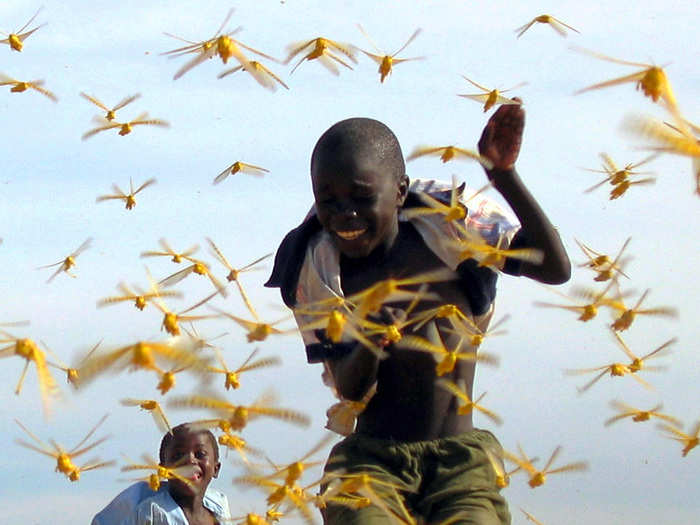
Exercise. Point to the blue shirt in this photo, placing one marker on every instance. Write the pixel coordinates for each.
(139, 505)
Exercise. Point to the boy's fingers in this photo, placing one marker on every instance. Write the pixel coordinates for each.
(501, 139)
(388, 315)
(510, 115)
(486, 138)
(509, 130)
(393, 315)
(384, 315)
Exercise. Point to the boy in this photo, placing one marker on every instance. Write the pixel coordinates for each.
(176, 502)
(408, 433)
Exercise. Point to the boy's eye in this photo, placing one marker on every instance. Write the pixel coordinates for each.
(364, 198)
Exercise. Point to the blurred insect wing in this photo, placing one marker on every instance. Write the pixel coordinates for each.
(36, 85)
(125, 101)
(203, 55)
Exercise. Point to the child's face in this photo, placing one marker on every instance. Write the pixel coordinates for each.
(357, 203)
(195, 449)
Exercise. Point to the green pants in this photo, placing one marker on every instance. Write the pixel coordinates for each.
(443, 481)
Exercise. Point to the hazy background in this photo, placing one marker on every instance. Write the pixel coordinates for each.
(50, 180)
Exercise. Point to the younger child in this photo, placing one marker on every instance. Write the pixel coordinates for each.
(409, 433)
(176, 502)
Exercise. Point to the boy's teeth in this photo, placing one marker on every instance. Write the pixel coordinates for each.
(350, 235)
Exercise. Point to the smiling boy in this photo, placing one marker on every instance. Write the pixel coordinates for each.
(176, 502)
(409, 432)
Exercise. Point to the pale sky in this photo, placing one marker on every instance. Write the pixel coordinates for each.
(51, 178)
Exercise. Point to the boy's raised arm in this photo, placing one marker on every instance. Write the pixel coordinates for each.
(500, 143)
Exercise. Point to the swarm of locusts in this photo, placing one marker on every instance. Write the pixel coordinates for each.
(227, 369)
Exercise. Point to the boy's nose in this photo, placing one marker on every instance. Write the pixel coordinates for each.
(346, 207)
(344, 219)
(349, 212)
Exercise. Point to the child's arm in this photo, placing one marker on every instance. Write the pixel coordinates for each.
(500, 143)
(355, 372)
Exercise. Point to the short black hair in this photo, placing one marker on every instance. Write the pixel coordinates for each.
(359, 136)
(186, 428)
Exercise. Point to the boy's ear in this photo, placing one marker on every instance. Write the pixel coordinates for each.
(216, 469)
(402, 190)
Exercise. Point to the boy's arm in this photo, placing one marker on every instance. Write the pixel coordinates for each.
(355, 370)
(354, 373)
(500, 143)
(352, 367)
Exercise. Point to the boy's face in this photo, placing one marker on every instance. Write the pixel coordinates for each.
(357, 202)
(192, 449)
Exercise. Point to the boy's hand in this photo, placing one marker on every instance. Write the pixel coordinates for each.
(500, 141)
(388, 316)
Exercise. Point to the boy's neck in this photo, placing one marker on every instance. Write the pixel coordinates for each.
(386, 261)
(192, 506)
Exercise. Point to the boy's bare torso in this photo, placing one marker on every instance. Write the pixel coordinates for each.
(409, 405)
(359, 183)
